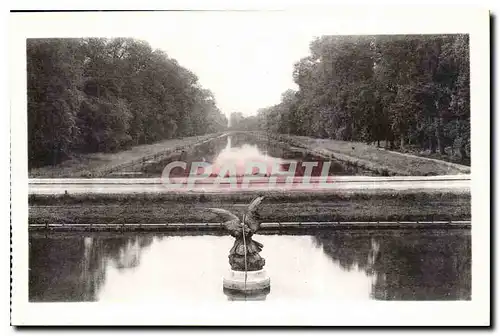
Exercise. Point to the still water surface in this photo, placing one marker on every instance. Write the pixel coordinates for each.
(328, 265)
(240, 148)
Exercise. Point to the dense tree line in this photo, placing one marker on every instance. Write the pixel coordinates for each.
(410, 92)
(101, 95)
(238, 122)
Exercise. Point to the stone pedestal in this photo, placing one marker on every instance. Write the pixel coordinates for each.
(235, 295)
(256, 281)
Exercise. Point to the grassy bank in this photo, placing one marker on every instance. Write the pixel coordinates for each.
(328, 206)
(101, 164)
(378, 160)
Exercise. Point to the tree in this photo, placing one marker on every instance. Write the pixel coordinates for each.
(410, 89)
(54, 76)
(97, 94)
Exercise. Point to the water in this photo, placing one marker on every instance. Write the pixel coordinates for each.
(328, 265)
(240, 148)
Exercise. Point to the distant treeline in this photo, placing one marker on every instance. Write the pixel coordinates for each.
(410, 92)
(101, 95)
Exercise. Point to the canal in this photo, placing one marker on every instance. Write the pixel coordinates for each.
(236, 150)
(327, 265)
(324, 264)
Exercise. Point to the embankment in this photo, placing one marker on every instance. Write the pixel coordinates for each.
(102, 164)
(378, 160)
(327, 206)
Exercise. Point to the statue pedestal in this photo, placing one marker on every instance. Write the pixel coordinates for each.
(235, 295)
(256, 282)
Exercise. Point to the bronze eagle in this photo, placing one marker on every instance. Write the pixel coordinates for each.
(235, 226)
(245, 252)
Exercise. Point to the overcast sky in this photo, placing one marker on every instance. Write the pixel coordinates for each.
(246, 70)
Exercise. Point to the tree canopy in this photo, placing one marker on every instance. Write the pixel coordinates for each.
(409, 91)
(101, 95)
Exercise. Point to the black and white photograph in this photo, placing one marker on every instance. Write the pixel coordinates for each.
(195, 168)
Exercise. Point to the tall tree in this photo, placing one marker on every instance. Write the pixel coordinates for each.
(407, 89)
(96, 94)
(54, 78)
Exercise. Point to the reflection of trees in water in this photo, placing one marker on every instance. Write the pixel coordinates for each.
(238, 140)
(73, 268)
(210, 151)
(265, 147)
(275, 149)
(206, 152)
(346, 248)
(407, 265)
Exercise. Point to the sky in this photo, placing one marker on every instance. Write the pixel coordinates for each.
(245, 69)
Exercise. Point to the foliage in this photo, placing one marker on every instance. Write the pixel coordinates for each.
(105, 95)
(408, 91)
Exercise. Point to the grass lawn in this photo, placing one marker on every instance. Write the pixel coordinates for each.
(370, 157)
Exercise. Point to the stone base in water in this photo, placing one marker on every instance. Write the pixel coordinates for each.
(255, 295)
(256, 281)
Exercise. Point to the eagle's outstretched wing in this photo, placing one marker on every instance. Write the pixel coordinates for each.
(232, 222)
(224, 214)
(252, 218)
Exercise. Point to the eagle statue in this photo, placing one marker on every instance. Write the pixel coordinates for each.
(244, 255)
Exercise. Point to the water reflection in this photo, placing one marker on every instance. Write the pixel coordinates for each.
(411, 265)
(68, 268)
(330, 265)
(233, 295)
(240, 148)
